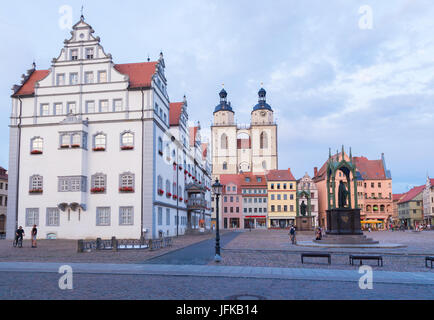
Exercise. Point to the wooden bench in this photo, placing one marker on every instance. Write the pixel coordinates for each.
(428, 259)
(361, 258)
(316, 255)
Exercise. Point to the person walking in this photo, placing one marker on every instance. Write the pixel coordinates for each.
(292, 235)
(34, 233)
(19, 234)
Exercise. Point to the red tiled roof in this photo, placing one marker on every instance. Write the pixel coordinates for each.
(226, 179)
(370, 169)
(204, 150)
(175, 113)
(140, 74)
(397, 196)
(280, 175)
(321, 175)
(193, 132)
(410, 195)
(253, 179)
(28, 88)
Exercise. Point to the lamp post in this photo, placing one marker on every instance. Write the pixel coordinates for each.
(217, 188)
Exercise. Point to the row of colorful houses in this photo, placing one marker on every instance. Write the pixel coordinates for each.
(273, 199)
(415, 208)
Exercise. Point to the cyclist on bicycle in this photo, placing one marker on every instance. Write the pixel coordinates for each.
(19, 235)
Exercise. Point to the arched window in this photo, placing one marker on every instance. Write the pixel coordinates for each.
(264, 165)
(174, 189)
(98, 183)
(126, 182)
(36, 183)
(224, 141)
(225, 165)
(100, 142)
(263, 140)
(37, 145)
(127, 140)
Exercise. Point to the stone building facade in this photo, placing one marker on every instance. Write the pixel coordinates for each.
(237, 148)
(92, 151)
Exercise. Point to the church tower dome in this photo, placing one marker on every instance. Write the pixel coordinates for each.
(262, 101)
(224, 105)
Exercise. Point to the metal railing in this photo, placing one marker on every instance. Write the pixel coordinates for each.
(114, 244)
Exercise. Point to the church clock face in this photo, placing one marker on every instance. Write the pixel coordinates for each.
(263, 113)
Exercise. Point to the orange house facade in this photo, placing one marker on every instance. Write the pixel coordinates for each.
(374, 191)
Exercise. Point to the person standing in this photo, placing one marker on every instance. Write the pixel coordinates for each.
(292, 235)
(34, 233)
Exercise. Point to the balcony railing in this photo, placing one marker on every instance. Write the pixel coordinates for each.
(197, 203)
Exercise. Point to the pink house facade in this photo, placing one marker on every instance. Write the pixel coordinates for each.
(232, 212)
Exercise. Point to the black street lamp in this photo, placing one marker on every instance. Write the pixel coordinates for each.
(217, 189)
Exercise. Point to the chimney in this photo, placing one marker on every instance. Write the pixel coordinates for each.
(315, 171)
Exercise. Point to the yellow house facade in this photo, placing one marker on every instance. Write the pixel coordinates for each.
(282, 199)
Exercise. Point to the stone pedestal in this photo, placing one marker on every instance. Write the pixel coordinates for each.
(342, 221)
(304, 223)
(343, 227)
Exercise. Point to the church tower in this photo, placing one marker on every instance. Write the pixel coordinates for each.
(263, 135)
(224, 138)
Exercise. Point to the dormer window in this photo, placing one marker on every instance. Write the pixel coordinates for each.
(74, 54)
(89, 53)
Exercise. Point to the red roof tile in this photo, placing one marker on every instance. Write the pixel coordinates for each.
(193, 132)
(370, 169)
(226, 179)
(410, 195)
(397, 196)
(204, 150)
(280, 175)
(253, 180)
(321, 175)
(140, 74)
(175, 113)
(28, 88)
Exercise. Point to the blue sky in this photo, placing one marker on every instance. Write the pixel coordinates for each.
(329, 81)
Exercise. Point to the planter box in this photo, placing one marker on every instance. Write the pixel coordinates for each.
(35, 152)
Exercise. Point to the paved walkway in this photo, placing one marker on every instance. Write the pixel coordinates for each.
(419, 278)
(198, 254)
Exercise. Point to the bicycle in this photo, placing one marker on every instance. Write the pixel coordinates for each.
(18, 242)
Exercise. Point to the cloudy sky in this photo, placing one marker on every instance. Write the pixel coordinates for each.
(332, 75)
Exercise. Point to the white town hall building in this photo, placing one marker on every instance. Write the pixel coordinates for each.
(98, 150)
